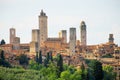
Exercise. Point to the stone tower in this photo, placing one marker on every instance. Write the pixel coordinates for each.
(36, 38)
(72, 42)
(34, 44)
(63, 34)
(111, 39)
(83, 33)
(35, 35)
(12, 35)
(16, 43)
(43, 28)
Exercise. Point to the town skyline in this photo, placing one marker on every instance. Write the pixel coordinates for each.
(60, 19)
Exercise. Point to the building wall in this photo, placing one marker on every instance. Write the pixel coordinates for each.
(16, 43)
(116, 69)
(7, 48)
(43, 28)
(72, 42)
(54, 45)
(33, 48)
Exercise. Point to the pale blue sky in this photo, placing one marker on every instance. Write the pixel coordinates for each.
(102, 17)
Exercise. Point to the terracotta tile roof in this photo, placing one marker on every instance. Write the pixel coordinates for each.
(6, 45)
(25, 44)
(54, 39)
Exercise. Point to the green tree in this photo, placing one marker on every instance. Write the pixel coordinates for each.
(40, 57)
(59, 63)
(47, 58)
(49, 72)
(87, 75)
(51, 58)
(83, 75)
(45, 62)
(23, 59)
(3, 62)
(65, 75)
(34, 65)
(71, 69)
(36, 57)
(97, 70)
(52, 70)
(77, 75)
(2, 55)
(108, 73)
(2, 42)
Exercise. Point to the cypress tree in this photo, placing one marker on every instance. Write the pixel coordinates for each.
(40, 57)
(36, 58)
(45, 62)
(2, 55)
(83, 72)
(51, 58)
(2, 42)
(59, 63)
(47, 58)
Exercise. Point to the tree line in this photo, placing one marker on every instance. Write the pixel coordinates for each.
(52, 68)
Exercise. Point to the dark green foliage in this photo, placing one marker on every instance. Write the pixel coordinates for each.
(89, 62)
(71, 69)
(45, 62)
(2, 42)
(36, 58)
(3, 62)
(40, 57)
(108, 73)
(97, 70)
(23, 59)
(59, 63)
(87, 75)
(51, 58)
(34, 65)
(2, 55)
(47, 58)
(83, 76)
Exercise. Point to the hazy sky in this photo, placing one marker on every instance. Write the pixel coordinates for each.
(102, 17)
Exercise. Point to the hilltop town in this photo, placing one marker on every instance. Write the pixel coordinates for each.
(74, 52)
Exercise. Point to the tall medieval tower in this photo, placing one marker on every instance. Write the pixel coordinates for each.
(72, 42)
(111, 38)
(83, 33)
(43, 28)
(12, 35)
(63, 34)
